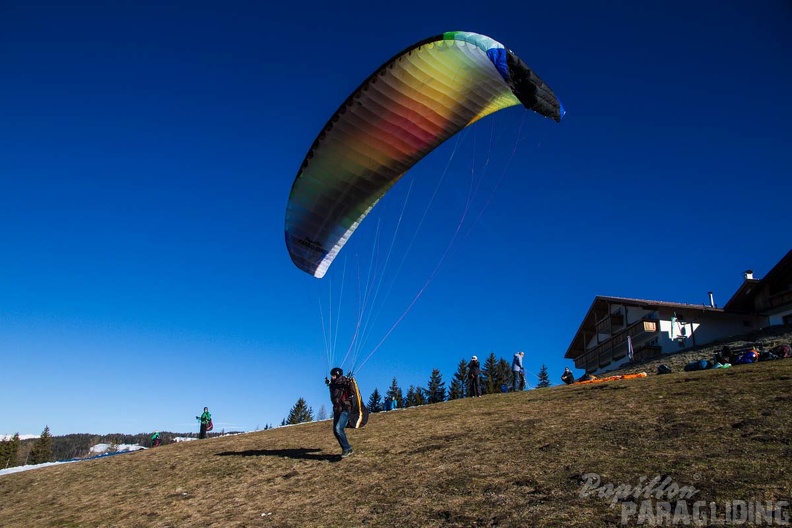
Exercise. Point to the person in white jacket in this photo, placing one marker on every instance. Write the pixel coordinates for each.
(518, 371)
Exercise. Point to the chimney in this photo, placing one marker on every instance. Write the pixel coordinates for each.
(748, 274)
(712, 300)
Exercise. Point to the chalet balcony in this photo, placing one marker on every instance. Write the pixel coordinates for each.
(615, 348)
(780, 299)
(610, 324)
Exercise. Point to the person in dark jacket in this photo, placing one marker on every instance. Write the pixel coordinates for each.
(339, 396)
(723, 356)
(205, 419)
(567, 377)
(474, 378)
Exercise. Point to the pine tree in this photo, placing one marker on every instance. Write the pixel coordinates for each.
(375, 402)
(504, 373)
(435, 389)
(322, 413)
(415, 396)
(544, 378)
(300, 413)
(9, 450)
(490, 381)
(42, 449)
(395, 393)
(458, 388)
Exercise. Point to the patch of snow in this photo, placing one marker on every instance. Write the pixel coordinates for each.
(99, 449)
(17, 469)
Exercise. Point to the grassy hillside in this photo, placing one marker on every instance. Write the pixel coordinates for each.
(515, 459)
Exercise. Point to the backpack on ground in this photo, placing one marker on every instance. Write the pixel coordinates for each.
(663, 369)
(781, 351)
(701, 364)
(749, 356)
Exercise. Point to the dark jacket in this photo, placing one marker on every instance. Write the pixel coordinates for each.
(567, 377)
(474, 369)
(339, 394)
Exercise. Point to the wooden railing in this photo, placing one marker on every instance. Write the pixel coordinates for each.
(780, 299)
(616, 347)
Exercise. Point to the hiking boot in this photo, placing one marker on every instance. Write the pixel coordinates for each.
(346, 453)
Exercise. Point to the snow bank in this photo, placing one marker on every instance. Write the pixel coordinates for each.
(99, 449)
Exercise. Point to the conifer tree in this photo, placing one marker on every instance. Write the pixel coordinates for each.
(544, 378)
(459, 388)
(300, 413)
(415, 396)
(42, 449)
(395, 393)
(409, 398)
(375, 401)
(9, 450)
(435, 389)
(322, 413)
(490, 383)
(504, 373)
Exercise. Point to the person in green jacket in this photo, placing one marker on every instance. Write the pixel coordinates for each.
(155, 439)
(206, 419)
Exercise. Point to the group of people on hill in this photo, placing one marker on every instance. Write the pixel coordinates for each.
(474, 375)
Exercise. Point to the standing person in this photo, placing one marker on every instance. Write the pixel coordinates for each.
(517, 370)
(339, 396)
(474, 378)
(155, 439)
(567, 377)
(206, 419)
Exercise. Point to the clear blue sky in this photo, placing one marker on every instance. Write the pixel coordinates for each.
(147, 152)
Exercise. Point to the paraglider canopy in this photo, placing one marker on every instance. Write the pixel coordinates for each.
(404, 110)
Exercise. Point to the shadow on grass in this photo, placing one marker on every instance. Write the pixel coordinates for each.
(301, 453)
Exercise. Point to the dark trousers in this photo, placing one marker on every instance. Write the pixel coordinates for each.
(475, 387)
(202, 434)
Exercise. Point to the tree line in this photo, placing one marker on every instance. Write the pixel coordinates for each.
(47, 448)
(15, 452)
(496, 377)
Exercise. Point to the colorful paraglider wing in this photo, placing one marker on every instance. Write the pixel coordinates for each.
(413, 103)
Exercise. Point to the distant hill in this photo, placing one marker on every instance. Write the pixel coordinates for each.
(608, 454)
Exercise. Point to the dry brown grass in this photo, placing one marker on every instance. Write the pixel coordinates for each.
(500, 460)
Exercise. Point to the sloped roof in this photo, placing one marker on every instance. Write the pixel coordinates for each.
(742, 300)
(601, 302)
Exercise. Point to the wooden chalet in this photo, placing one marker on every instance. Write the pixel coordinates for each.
(653, 328)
